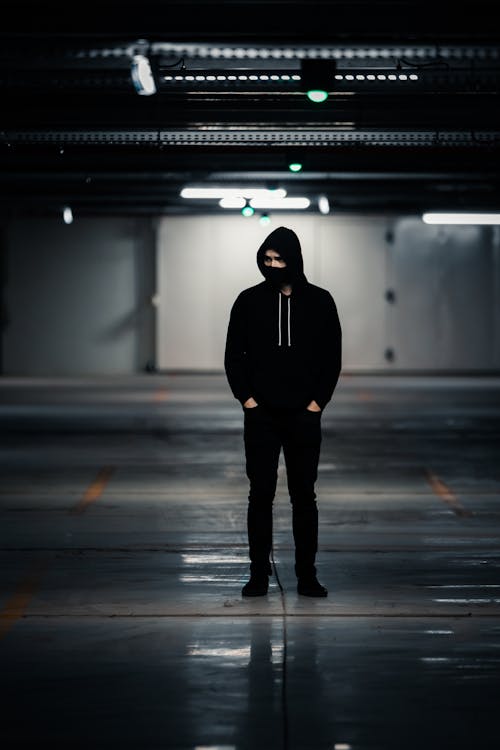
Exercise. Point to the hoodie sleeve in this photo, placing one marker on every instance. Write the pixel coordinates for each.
(331, 355)
(235, 357)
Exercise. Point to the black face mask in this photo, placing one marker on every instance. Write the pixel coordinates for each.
(277, 276)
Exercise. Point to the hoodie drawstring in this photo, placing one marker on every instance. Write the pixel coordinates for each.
(279, 321)
(289, 329)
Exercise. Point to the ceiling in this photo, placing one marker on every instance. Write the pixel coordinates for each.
(411, 122)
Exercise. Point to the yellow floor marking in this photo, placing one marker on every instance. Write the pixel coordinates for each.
(365, 396)
(161, 394)
(444, 492)
(94, 491)
(16, 606)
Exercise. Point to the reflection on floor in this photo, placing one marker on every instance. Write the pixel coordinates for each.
(123, 552)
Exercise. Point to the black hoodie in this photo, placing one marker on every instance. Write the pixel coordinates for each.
(285, 351)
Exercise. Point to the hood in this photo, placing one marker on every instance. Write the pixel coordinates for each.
(287, 244)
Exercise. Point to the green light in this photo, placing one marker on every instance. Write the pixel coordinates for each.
(317, 95)
(264, 220)
(247, 211)
(295, 167)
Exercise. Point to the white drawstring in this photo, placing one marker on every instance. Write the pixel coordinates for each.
(279, 321)
(289, 330)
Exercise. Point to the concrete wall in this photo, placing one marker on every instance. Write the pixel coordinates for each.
(77, 298)
(204, 263)
(446, 281)
(410, 296)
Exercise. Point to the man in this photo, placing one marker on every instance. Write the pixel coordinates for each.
(282, 361)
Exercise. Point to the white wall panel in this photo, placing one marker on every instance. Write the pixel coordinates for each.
(351, 255)
(446, 283)
(204, 262)
(77, 297)
(444, 315)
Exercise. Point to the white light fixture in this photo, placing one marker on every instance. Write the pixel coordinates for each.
(295, 203)
(461, 218)
(142, 75)
(234, 192)
(317, 95)
(232, 201)
(323, 204)
(67, 215)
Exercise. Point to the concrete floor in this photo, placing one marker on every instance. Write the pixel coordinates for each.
(123, 552)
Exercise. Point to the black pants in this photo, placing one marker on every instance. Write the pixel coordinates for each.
(298, 432)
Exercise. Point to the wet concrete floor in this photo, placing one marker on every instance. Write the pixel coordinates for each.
(123, 553)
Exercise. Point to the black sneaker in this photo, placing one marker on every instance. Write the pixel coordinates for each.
(256, 586)
(311, 587)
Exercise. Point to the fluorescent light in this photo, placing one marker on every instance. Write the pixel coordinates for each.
(323, 204)
(232, 201)
(280, 203)
(68, 215)
(208, 192)
(195, 192)
(460, 218)
(142, 76)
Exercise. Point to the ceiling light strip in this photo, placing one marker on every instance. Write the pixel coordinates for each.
(461, 218)
(196, 76)
(289, 202)
(232, 192)
(293, 203)
(272, 78)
